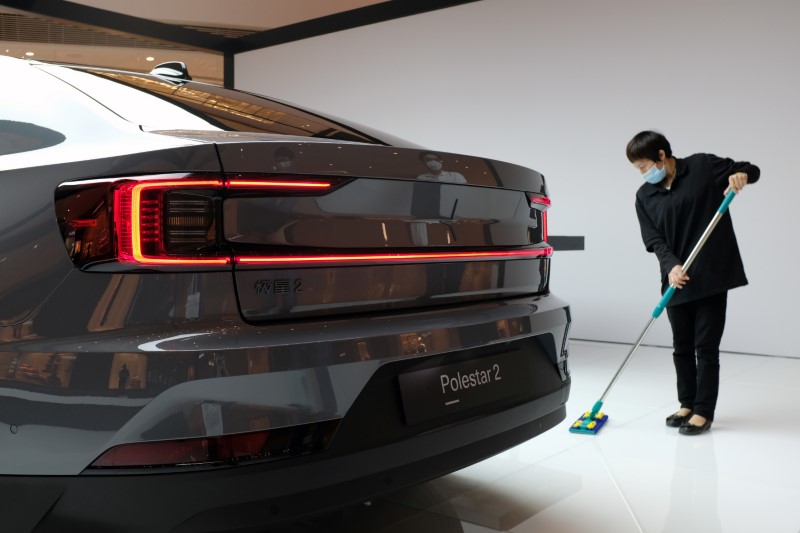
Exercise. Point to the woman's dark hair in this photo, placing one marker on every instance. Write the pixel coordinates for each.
(645, 145)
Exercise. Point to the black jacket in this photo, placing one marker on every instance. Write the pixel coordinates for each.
(672, 221)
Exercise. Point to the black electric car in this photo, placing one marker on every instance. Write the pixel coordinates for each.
(221, 311)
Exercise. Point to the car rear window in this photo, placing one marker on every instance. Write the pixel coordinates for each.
(159, 104)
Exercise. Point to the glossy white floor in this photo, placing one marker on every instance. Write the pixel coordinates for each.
(636, 474)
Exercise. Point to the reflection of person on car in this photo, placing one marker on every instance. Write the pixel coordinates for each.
(282, 206)
(124, 374)
(436, 171)
(284, 159)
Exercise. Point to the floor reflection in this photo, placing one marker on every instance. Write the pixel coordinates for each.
(451, 504)
(379, 516)
(500, 505)
(694, 491)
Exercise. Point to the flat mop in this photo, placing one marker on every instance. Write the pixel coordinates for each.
(592, 421)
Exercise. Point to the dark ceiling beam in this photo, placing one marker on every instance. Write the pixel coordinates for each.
(346, 20)
(70, 11)
(171, 33)
(102, 18)
(228, 69)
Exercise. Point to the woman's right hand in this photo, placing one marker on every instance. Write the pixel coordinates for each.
(678, 277)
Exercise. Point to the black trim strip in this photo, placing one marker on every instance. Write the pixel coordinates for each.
(228, 64)
(103, 18)
(563, 244)
(346, 20)
(172, 33)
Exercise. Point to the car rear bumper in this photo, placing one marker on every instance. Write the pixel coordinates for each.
(262, 494)
(348, 378)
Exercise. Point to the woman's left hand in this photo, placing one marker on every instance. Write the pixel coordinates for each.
(736, 182)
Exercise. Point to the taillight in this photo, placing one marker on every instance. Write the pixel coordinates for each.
(280, 185)
(186, 451)
(175, 221)
(170, 222)
(379, 258)
(540, 202)
(261, 445)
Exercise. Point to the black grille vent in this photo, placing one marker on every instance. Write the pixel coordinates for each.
(31, 29)
(233, 33)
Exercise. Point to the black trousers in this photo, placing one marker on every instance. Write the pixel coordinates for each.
(697, 328)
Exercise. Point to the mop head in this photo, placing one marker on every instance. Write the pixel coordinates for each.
(588, 423)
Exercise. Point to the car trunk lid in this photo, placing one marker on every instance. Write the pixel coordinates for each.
(320, 228)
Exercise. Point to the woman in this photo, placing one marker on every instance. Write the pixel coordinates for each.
(674, 206)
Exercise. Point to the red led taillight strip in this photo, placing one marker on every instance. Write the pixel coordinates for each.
(138, 219)
(544, 201)
(392, 258)
(139, 215)
(280, 185)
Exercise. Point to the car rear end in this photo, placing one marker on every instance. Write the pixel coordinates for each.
(249, 328)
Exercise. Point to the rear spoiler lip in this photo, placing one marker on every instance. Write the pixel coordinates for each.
(324, 157)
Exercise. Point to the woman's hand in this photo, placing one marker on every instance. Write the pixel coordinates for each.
(736, 182)
(678, 277)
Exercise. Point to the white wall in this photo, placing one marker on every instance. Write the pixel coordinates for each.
(560, 86)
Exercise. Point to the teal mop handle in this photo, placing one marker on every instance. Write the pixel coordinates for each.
(689, 260)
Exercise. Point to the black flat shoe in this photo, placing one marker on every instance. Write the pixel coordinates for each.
(691, 429)
(676, 421)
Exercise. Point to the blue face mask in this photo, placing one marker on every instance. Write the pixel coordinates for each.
(655, 175)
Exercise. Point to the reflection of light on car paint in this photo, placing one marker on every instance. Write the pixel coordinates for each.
(153, 345)
(150, 110)
(82, 149)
